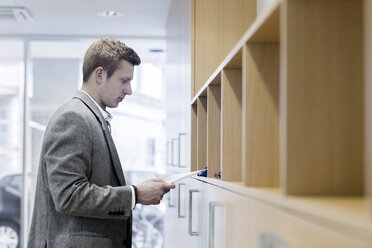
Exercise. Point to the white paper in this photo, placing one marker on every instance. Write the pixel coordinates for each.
(171, 178)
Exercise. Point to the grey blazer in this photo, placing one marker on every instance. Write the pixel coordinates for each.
(81, 199)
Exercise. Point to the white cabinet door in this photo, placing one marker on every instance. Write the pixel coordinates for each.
(184, 227)
(235, 221)
(171, 234)
(225, 218)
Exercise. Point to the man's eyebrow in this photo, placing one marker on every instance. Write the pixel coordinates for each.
(126, 78)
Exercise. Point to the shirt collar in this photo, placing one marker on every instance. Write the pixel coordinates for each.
(106, 115)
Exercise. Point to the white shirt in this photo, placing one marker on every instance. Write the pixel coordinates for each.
(108, 117)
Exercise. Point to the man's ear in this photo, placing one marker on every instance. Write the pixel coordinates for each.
(99, 74)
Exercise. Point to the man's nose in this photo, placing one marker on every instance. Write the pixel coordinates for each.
(128, 90)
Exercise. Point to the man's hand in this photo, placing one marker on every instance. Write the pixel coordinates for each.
(151, 191)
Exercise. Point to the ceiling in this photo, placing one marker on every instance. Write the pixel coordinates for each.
(141, 18)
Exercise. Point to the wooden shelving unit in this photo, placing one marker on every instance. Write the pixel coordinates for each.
(248, 79)
(288, 108)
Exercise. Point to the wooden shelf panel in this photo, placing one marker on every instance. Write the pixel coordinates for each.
(214, 130)
(202, 132)
(231, 124)
(260, 108)
(217, 27)
(194, 138)
(368, 96)
(322, 97)
(264, 29)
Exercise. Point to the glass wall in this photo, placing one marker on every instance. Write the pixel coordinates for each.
(11, 119)
(11, 83)
(53, 74)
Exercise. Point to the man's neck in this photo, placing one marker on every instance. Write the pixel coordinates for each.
(93, 93)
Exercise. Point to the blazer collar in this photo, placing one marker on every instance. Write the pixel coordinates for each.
(90, 104)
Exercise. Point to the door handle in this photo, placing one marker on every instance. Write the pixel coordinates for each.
(167, 163)
(271, 240)
(179, 149)
(212, 211)
(180, 205)
(191, 231)
(170, 200)
(172, 162)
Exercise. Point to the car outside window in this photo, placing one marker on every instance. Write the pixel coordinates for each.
(16, 182)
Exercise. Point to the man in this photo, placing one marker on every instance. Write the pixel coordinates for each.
(82, 199)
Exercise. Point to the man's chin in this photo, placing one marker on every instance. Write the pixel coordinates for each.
(114, 105)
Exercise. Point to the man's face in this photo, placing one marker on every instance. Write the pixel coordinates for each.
(114, 89)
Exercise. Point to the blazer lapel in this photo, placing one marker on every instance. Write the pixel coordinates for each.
(114, 155)
(110, 142)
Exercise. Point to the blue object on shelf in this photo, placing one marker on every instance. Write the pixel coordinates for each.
(203, 173)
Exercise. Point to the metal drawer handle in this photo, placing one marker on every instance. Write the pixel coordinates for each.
(191, 232)
(180, 188)
(168, 153)
(172, 162)
(271, 240)
(170, 200)
(212, 208)
(179, 149)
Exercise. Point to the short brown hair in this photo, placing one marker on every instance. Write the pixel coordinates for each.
(107, 53)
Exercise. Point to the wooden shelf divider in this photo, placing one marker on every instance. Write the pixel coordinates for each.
(231, 124)
(321, 101)
(194, 137)
(202, 132)
(368, 98)
(214, 129)
(260, 106)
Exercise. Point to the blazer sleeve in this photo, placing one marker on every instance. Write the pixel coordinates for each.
(67, 156)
